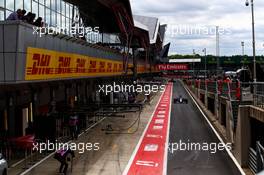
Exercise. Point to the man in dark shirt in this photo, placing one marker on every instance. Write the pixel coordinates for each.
(18, 15)
(62, 156)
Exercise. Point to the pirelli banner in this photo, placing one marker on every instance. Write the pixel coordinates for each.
(44, 64)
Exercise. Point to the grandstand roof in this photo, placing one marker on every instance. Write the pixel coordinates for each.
(152, 24)
(162, 31)
(141, 34)
(102, 13)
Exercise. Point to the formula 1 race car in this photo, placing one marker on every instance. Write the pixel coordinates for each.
(180, 100)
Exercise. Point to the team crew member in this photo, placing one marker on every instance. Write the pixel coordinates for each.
(62, 156)
(73, 123)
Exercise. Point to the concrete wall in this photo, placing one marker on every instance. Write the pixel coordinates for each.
(229, 124)
(243, 136)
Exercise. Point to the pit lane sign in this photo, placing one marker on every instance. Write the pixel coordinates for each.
(163, 67)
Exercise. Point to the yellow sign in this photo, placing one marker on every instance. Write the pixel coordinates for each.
(45, 64)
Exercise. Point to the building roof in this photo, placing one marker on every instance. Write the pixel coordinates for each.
(162, 31)
(152, 25)
(102, 13)
(140, 25)
(141, 34)
(165, 51)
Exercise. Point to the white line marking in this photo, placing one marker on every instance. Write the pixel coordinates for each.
(147, 163)
(218, 136)
(160, 116)
(161, 112)
(159, 121)
(157, 127)
(151, 147)
(167, 139)
(19, 162)
(141, 138)
(154, 136)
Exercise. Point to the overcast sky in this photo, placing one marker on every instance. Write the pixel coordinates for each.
(191, 24)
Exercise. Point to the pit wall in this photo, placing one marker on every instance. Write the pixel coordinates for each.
(223, 119)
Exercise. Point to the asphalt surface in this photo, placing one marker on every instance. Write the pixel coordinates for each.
(189, 126)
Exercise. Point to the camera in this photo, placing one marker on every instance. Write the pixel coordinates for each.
(247, 3)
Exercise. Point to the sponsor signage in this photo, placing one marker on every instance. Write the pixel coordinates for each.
(42, 64)
(172, 66)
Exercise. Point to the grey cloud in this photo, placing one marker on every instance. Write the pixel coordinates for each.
(232, 14)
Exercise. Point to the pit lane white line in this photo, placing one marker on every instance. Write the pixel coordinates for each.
(218, 136)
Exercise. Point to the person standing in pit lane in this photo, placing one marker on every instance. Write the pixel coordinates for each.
(65, 156)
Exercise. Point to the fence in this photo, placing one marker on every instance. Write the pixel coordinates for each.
(256, 158)
(230, 89)
(248, 93)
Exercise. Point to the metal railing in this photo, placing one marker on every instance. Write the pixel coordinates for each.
(226, 89)
(212, 86)
(247, 91)
(233, 90)
(256, 158)
(252, 160)
(258, 101)
(260, 156)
